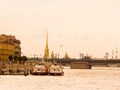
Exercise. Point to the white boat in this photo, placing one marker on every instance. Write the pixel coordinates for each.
(39, 69)
(56, 69)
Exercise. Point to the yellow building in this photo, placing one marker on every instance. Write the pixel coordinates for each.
(9, 46)
(6, 50)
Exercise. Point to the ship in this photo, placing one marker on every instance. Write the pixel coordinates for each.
(56, 69)
(39, 69)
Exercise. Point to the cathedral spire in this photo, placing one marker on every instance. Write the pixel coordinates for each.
(47, 39)
(46, 55)
(52, 55)
(66, 55)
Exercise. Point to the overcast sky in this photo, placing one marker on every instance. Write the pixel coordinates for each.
(80, 26)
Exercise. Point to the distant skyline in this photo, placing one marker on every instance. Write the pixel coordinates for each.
(77, 26)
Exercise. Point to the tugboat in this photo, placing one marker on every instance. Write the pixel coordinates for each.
(39, 69)
(56, 69)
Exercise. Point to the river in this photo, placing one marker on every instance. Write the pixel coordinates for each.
(97, 78)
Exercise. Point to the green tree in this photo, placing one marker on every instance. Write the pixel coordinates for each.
(23, 59)
(16, 59)
(10, 58)
(86, 58)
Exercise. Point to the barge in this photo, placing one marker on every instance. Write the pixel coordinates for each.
(80, 65)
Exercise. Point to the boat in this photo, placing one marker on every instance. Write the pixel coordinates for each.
(56, 69)
(80, 65)
(39, 69)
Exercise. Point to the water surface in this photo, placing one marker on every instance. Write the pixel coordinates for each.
(97, 78)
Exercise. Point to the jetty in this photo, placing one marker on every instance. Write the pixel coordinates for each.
(14, 69)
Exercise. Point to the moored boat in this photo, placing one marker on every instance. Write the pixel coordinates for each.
(56, 69)
(39, 69)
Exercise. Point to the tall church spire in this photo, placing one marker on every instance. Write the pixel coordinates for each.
(47, 39)
(46, 54)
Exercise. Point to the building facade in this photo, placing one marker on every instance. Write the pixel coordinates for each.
(9, 46)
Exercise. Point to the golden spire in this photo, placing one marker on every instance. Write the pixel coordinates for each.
(52, 55)
(46, 55)
(66, 55)
(47, 39)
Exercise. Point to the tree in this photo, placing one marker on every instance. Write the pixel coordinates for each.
(22, 59)
(86, 58)
(10, 58)
(16, 58)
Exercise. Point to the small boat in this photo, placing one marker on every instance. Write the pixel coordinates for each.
(56, 69)
(39, 69)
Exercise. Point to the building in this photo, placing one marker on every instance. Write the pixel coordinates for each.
(9, 46)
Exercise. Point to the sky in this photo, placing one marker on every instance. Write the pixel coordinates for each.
(91, 27)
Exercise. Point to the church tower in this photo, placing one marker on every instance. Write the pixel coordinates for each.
(46, 54)
(66, 55)
(52, 55)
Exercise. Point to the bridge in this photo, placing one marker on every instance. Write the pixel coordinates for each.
(100, 62)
